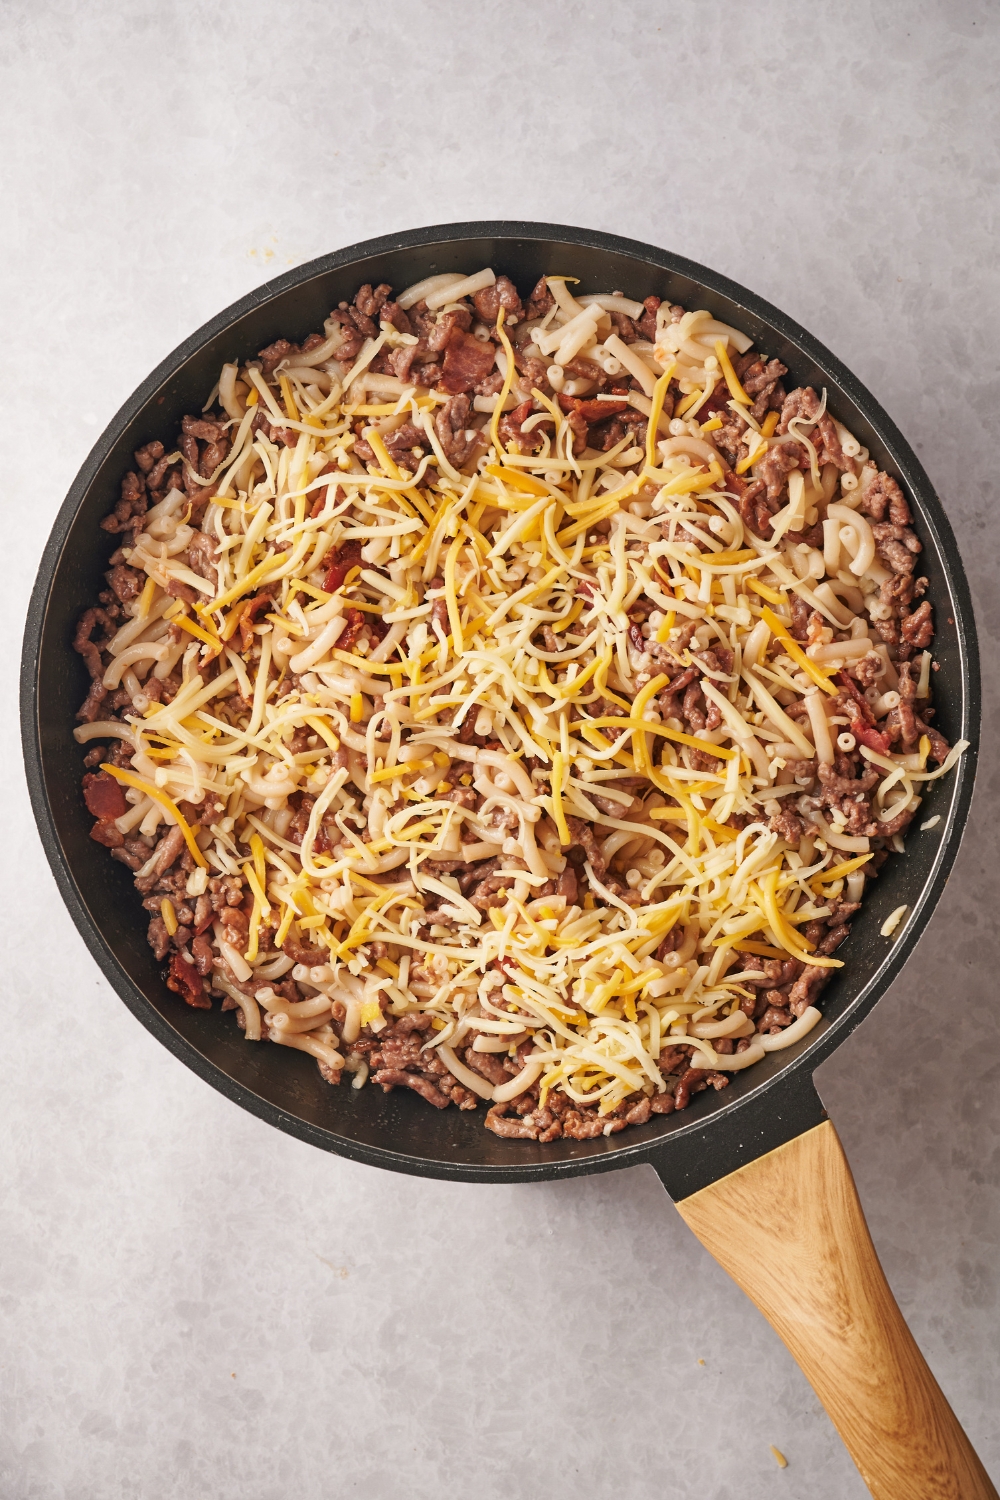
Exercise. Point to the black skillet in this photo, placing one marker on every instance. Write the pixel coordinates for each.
(757, 1169)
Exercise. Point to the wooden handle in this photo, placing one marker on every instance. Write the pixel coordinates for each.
(790, 1231)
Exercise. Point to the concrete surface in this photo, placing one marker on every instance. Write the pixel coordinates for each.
(192, 1304)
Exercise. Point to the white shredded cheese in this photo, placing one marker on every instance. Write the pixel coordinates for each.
(542, 599)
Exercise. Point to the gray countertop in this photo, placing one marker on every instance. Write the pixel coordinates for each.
(192, 1304)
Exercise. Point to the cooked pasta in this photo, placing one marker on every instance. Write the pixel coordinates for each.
(510, 700)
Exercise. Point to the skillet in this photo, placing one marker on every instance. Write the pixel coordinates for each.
(757, 1171)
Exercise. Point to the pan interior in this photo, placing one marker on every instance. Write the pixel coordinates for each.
(399, 1130)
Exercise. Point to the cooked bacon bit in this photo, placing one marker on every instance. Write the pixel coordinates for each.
(106, 831)
(104, 796)
(866, 734)
(592, 411)
(183, 978)
(345, 558)
(467, 361)
(355, 625)
(250, 610)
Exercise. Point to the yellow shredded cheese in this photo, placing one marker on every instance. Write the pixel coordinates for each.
(523, 613)
(795, 651)
(288, 398)
(186, 623)
(735, 389)
(127, 778)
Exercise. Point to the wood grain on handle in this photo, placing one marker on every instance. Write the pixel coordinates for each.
(790, 1230)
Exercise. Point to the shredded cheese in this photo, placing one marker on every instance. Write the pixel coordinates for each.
(735, 389)
(524, 615)
(127, 778)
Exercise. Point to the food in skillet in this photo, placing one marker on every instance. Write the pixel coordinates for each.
(510, 698)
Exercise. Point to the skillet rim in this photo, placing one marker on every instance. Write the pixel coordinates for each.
(747, 1115)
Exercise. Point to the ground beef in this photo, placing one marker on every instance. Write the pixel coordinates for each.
(451, 423)
(727, 438)
(487, 1063)
(775, 467)
(503, 293)
(274, 354)
(202, 555)
(511, 429)
(391, 1078)
(526, 1119)
(585, 846)
(917, 628)
(822, 432)
(787, 824)
(848, 792)
(755, 508)
(369, 302)
(897, 546)
(882, 499)
(763, 382)
(540, 301)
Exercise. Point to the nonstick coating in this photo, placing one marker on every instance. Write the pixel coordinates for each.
(762, 1107)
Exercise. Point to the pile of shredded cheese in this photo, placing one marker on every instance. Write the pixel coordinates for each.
(523, 542)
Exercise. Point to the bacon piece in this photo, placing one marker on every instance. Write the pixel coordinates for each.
(866, 734)
(103, 796)
(592, 411)
(355, 625)
(716, 404)
(467, 361)
(250, 609)
(184, 979)
(106, 831)
(344, 559)
(320, 497)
